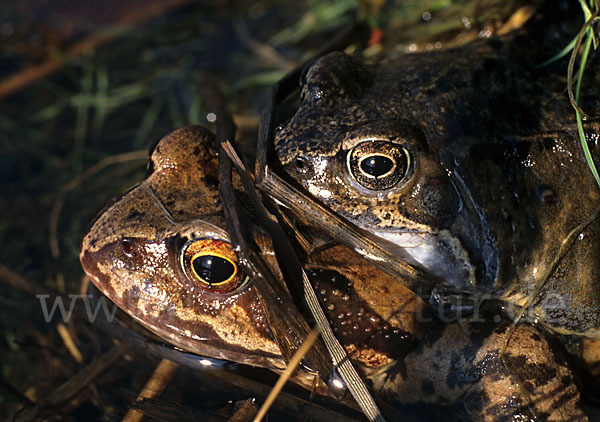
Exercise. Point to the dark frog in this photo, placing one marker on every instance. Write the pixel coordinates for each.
(162, 253)
(464, 162)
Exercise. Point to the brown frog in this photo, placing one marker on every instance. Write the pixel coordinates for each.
(465, 163)
(161, 253)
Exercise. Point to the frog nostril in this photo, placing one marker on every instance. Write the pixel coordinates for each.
(128, 247)
(302, 164)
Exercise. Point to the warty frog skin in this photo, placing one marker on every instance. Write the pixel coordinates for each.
(466, 163)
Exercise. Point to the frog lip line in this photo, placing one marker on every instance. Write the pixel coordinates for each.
(225, 351)
(185, 338)
(428, 253)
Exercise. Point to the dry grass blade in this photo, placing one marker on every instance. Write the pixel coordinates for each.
(19, 281)
(322, 409)
(580, 37)
(69, 342)
(346, 233)
(286, 402)
(285, 320)
(157, 383)
(32, 74)
(336, 352)
(75, 384)
(517, 20)
(262, 50)
(289, 371)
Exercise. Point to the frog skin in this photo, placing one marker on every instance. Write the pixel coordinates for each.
(133, 255)
(455, 364)
(465, 162)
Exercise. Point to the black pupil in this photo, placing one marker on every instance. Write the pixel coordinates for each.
(376, 165)
(213, 269)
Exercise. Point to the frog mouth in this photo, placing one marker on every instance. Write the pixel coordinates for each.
(462, 255)
(439, 253)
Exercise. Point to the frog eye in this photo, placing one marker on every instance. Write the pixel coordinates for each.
(212, 265)
(378, 165)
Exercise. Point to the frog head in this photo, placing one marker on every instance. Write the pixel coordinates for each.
(465, 162)
(352, 148)
(161, 254)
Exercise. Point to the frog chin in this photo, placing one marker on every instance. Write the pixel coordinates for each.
(440, 253)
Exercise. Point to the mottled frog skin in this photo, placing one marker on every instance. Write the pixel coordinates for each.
(465, 162)
(456, 365)
(135, 252)
(146, 252)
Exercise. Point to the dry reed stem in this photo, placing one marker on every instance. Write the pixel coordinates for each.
(69, 342)
(289, 370)
(162, 375)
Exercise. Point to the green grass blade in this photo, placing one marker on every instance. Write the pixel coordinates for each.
(562, 53)
(584, 145)
(587, 14)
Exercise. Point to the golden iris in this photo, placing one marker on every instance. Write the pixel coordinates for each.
(212, 265)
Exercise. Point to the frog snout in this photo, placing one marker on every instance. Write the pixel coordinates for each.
(438, 202)
(302, 165)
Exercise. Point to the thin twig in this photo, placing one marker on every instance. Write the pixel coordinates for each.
(75, 384)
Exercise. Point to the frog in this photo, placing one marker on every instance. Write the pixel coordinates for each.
(464, 162)
(161, 253)
(457, 367)
(147, 251)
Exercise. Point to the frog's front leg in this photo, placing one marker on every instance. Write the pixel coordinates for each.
(460, 363)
